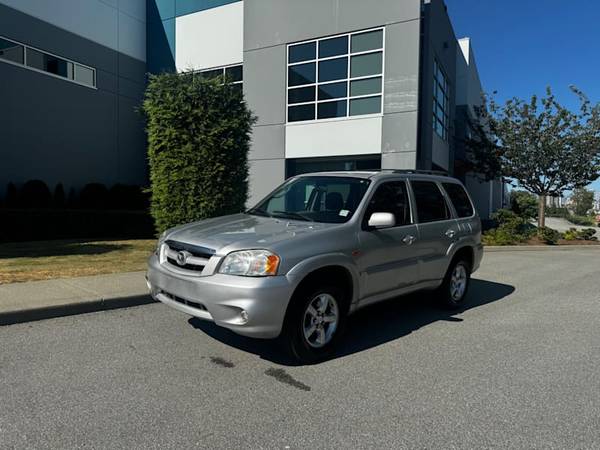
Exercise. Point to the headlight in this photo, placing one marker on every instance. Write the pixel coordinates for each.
(250, 263)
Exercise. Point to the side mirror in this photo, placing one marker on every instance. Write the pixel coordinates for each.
(382, 220)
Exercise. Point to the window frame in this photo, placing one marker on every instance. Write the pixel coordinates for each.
(445, 89)
(411, 204)
(348, 80)
(447, 201)
(223, 70)
(44, 52)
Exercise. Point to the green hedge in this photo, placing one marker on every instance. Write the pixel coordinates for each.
(46, 224)
(199, 138)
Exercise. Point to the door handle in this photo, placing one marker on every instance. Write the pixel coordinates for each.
(450, 233)
(408, 239)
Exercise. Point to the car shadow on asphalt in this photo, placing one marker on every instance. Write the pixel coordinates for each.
(372, 326)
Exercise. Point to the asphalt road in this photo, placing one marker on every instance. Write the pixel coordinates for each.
(520, 368)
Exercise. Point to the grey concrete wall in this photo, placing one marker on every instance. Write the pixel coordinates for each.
(269, 25)
(61, 132)
(439, 42)
(401, 94)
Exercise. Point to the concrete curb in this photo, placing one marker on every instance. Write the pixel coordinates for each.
(537, 248)
(71, 309)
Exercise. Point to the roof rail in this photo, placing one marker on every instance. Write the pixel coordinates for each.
(416, 171)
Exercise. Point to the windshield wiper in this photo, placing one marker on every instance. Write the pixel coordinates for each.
(293, 215)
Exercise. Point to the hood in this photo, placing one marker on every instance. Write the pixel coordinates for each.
(244, 231)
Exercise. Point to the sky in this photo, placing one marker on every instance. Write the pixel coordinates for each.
(523, 46)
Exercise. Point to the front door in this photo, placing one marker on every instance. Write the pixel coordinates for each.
(388, 260)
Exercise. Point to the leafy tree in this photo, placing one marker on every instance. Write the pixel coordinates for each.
(546, 148)
(583, 200)
(524, 204)
(199, 137)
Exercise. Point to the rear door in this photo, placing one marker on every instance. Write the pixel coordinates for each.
(438, 230)
(468, 222)
(388, 260)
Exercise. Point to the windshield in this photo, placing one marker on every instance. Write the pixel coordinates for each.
(315, 199)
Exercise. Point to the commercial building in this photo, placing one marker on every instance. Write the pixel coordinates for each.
(335, 84)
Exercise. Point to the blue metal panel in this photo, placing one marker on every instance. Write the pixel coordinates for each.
(166, 8)
(183, 7)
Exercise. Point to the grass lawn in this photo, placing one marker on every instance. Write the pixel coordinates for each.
(43, 260)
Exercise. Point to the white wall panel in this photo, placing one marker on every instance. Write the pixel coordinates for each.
(210, 38)
(334, 138)
(95, 20)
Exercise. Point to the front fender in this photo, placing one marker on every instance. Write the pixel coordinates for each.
(304, 268)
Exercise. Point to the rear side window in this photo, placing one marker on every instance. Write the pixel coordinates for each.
(431, 204)
(459, 199)
(391, 197)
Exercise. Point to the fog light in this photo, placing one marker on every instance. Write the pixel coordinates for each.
(244, 316)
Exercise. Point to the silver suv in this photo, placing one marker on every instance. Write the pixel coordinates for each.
(318, 248)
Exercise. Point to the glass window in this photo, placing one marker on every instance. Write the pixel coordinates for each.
(315, 199)
(333, 69)
(302, 74)
(302, 52)
(49, 63)
(301, 95)
(365, 87)
(84, 75)
(301, 112)
(460, 199)
(234, 73)
(441, 102)
(11, 51)
(212, 74)
(431, 204)
(391, 197)
(363, 42)
(330, 110)
(333, 47)
(366, 105)
(333, 90)
(358, 92)
(365, 65)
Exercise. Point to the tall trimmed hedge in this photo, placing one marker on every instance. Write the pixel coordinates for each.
(198, 142)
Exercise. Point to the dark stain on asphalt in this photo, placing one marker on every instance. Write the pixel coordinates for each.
(284, 377)
(221, 362)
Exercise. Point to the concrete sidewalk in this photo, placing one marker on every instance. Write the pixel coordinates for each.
(36, 300)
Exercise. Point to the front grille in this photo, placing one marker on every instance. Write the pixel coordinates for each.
(183, 301)
(196, 257)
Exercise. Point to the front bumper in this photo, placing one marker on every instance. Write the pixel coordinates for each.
(223, 298)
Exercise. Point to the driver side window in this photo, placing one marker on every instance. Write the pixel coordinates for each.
(391, 197)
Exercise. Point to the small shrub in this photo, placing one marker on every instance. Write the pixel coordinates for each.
(549, 235)
(126, 197)
(524, 204)
(59, 200)
(584, 221)
(512, 229)
(35, 194)
(11, 199)
(555, 211)
(93, 196)
(587, 234)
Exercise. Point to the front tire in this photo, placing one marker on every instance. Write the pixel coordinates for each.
(453, 290)
(314, 323)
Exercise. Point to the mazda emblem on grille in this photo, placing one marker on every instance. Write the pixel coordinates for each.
(182, 257)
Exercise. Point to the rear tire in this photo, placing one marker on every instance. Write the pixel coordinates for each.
(453, 291)
(314, 323)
